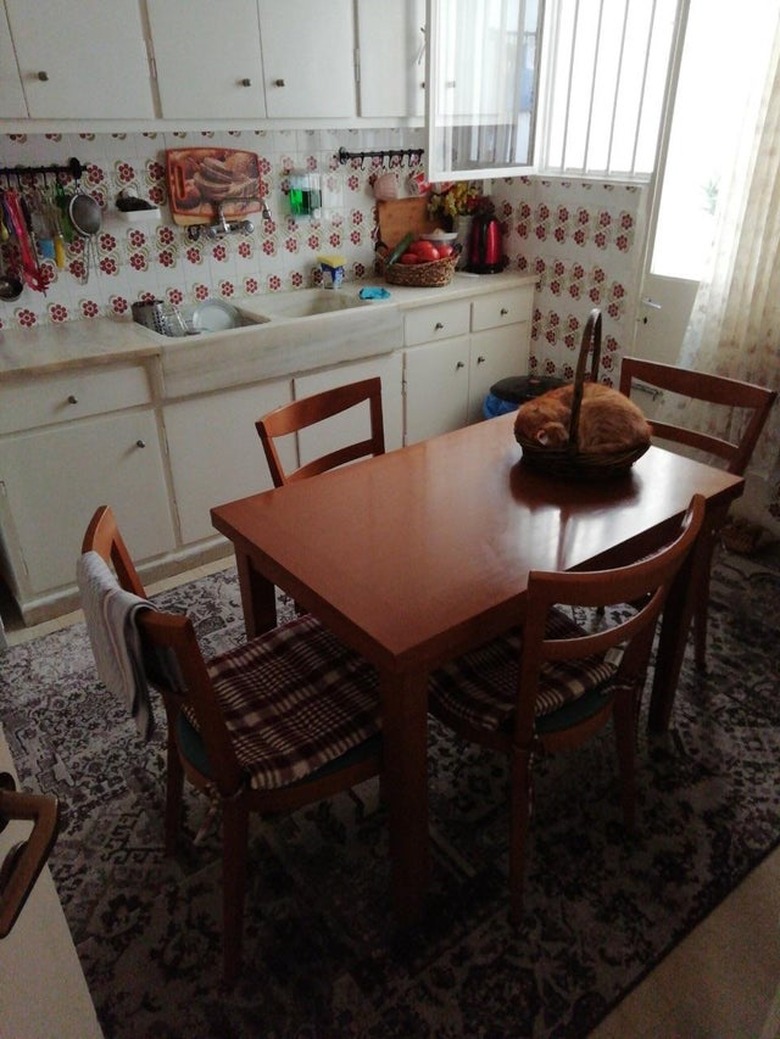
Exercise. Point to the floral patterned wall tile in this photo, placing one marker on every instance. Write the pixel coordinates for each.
(582, 240)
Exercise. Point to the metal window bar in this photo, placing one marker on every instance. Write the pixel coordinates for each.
(562, 55)
(643, 93)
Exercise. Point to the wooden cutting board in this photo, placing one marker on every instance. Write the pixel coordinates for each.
(199, 178)
(397, 216)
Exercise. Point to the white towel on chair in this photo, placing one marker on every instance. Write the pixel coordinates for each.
(110, 613)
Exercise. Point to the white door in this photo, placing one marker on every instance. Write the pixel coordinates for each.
(215, 452)
(308, 58)
(87, 58)
(213, 68)
(436, 379)
(12, 104)
(353, 425)
(721, 65)
(391, 41)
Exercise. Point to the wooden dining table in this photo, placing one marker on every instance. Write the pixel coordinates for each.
(423, 553)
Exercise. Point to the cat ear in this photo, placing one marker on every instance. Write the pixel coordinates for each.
(543, 437)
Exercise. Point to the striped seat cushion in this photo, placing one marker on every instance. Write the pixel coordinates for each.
(293, 700)
(481, 686)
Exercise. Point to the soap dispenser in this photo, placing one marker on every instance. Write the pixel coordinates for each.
(305, 196)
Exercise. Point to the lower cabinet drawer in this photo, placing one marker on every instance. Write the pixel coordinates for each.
(496, 309)
(440, 321)
(30, 403)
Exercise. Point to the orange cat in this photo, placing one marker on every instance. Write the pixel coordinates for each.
(609, 421)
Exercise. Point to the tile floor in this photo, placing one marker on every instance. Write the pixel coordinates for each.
(721, 982)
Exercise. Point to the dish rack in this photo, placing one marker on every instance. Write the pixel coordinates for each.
(569, 461)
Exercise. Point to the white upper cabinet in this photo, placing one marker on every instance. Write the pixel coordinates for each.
(208, 58)
(391, 44)
(308, 58)
(84, 60)
(12, 104)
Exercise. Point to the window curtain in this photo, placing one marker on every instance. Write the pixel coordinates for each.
(734, 328)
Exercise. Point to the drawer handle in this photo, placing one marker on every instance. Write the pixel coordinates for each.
(438, 326)
(43, 76)
(278, 82)
(246, 82)
(461, 364)
(140, 443)
(480, 360)
(503, 312)
(72, 398)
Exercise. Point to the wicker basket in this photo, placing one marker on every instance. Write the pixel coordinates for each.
(420, 275)
(569, 461)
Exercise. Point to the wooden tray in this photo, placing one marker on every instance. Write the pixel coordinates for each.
(200, 178)
(398, 216)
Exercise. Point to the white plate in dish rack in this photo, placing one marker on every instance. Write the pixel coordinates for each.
(215, 316)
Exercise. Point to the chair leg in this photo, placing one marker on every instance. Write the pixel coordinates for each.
(624, 721)
(235, 836)
(700, 622)
(173, 795)
(520, 815)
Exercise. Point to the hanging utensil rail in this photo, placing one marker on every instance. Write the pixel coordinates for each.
(20, 173)
(386, 154)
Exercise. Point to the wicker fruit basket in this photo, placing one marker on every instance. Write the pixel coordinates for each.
(418, 275)
(569, 461)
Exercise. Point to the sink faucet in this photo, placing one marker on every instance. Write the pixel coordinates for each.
(223, 226)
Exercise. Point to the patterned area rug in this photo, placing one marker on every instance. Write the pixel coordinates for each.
(323, 959)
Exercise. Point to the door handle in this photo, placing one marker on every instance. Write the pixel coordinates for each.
(647, 302)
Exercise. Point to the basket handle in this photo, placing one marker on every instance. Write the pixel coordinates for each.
(591, 339)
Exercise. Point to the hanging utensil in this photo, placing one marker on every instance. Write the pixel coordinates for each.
(62, 201)
(10, 286)
(32, 273)
(86, 216)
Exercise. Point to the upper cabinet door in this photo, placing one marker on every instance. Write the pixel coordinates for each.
(308, 58)
(84, 60)
(391, 41)
(12, 104)
(208, 58)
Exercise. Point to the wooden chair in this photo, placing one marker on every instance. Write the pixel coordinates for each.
(24, 861)
(215, 738)
(713, 389)
(552, 686)
(290, 418)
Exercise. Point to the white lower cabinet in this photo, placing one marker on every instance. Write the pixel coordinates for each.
(456, 351)
(215, 451)
(353, 425)
(53, 479)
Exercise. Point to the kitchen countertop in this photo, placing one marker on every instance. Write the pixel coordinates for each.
(250, 353)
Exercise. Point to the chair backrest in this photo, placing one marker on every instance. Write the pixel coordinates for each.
(174, 633)
(103, 536)
(714, 389)
(24, 861)
(645, 583)
(290, 418)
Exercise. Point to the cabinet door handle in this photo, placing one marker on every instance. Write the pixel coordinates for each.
(503, 312)
(245, 82)
(43, 76)
(438, 326)
(480, 360)
(140, 443)
(278, 82)
(72, 398)
(460, 364)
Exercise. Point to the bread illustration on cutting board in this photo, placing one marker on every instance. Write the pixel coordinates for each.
(199, 179)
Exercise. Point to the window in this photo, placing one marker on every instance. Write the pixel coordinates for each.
(596, 109)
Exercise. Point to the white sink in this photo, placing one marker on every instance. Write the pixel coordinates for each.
(304, 303)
